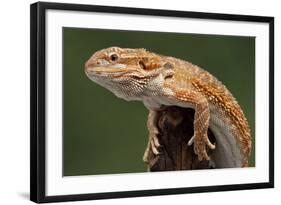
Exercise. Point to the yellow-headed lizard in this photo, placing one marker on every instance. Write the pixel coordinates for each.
(159, 81)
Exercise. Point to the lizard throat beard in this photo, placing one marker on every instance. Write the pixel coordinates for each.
(119, 88)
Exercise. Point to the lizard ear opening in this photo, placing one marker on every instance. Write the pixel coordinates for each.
(168, 71)
(142, 65)
(168, 66)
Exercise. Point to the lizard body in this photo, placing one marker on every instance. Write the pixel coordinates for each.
(159, 81)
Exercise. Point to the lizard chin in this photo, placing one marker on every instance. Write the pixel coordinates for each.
(117, 87)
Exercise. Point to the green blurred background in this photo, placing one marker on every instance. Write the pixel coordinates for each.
(104, 134)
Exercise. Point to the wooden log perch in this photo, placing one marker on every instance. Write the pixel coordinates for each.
(176, 128)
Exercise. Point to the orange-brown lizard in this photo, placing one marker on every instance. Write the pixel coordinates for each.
(159, 81)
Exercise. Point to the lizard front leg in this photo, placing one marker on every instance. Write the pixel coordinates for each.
(153, 131)
(153, 142)
(201, 121)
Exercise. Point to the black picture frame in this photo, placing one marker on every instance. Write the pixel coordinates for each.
(38, 103)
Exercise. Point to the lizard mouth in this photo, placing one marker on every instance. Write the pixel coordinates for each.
(113, 71)
(102, 71)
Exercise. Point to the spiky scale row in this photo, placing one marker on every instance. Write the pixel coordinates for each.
(218, 94)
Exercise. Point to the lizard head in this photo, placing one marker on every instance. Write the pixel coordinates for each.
(129, 73)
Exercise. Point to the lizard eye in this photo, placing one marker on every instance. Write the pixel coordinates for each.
(114, 57)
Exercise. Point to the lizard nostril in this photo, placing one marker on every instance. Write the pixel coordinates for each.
(89, 64)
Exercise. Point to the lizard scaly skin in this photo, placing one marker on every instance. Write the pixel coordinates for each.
(159, 81)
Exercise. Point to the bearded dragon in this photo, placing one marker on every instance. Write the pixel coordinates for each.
(160, 81)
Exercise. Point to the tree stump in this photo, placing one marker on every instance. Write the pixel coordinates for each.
(176, 128)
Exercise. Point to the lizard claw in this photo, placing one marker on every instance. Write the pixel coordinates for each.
(190, 142)
(155, 145)
(200, 146)
(154, 142)
(155, 150)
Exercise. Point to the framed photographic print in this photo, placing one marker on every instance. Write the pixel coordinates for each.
(129, 102)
